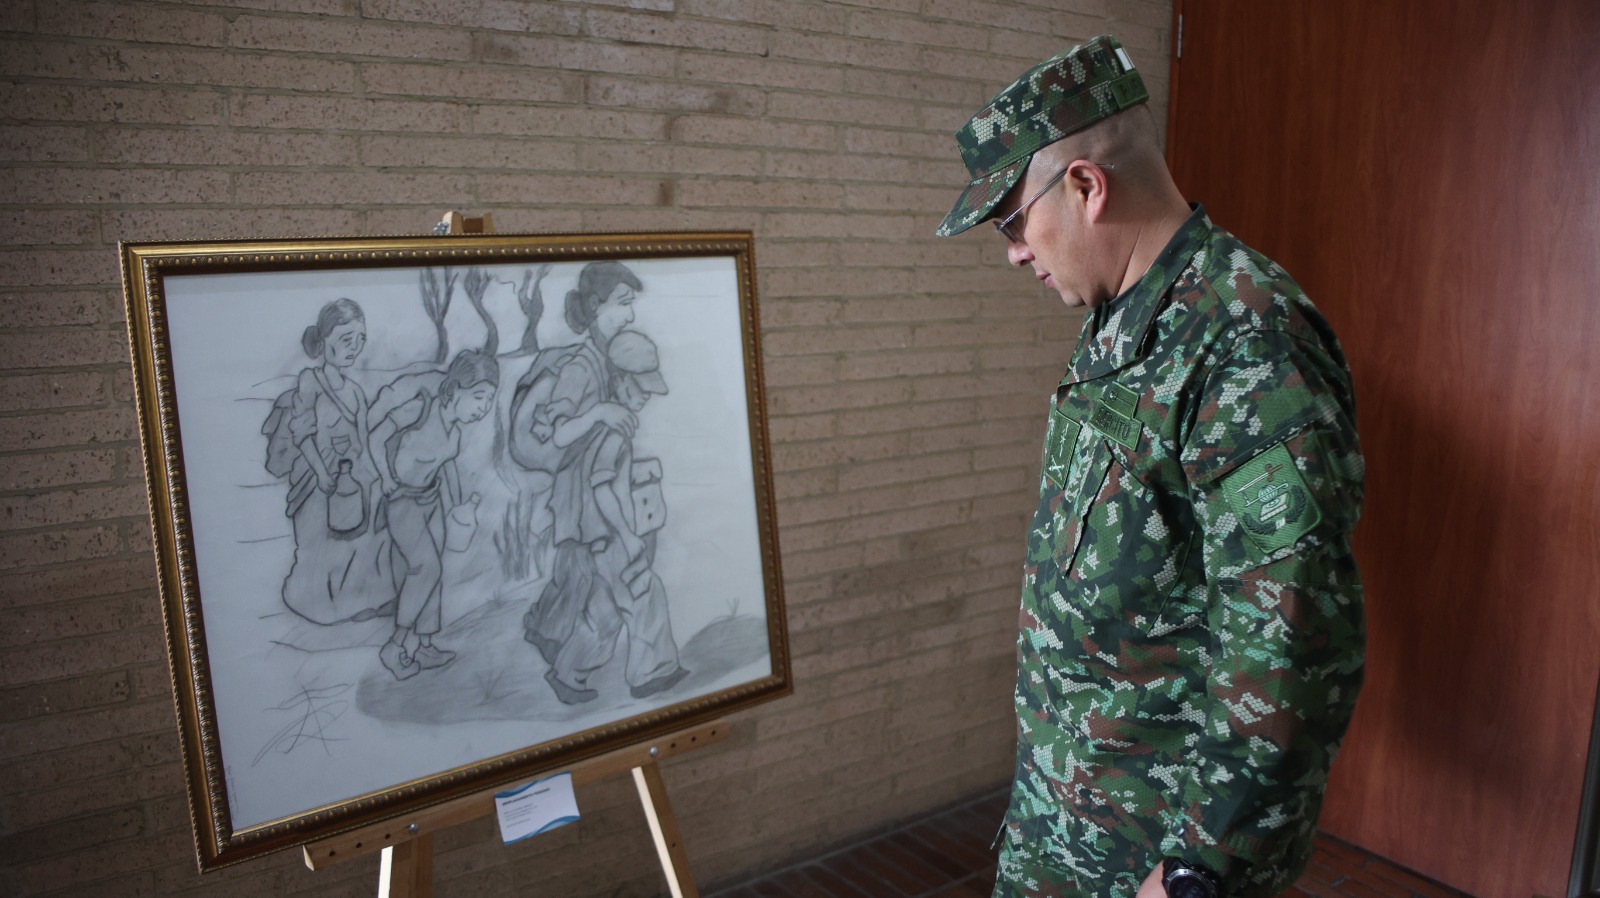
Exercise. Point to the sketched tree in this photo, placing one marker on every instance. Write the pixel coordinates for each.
(532, 302)
(438, 284)
(476, 284)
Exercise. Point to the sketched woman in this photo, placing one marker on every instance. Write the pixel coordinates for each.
(317, 438)
(421, 439)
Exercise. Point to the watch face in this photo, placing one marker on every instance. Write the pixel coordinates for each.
(1188, 884)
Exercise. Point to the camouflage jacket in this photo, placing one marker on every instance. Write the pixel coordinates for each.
(1191, 632)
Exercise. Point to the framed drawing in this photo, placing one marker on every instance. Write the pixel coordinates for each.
(433, 514)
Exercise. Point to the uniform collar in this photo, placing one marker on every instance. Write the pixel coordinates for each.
(1114, 333)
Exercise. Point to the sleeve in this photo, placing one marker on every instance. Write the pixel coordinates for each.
(303, 407)
(575, 391)
(1275, 474)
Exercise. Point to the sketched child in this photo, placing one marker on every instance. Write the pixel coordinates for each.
(421, 439)
(624, 592)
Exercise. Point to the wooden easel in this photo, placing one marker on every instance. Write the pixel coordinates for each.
(456, 223)
(406, 843)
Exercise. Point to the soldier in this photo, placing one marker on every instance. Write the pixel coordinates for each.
(1191, 638)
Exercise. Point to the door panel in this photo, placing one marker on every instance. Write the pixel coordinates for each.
(1430, 172)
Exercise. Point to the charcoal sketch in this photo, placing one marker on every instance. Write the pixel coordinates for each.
(479, 547)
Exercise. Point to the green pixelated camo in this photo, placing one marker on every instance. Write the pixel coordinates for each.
(1182, 687)
(1065, 93)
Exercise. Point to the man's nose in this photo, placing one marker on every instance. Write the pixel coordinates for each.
(1018, 253)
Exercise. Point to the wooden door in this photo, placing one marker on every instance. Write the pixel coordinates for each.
(1429, 170)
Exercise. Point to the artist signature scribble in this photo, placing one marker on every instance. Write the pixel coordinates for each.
(313, 712)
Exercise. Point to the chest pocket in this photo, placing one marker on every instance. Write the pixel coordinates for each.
(1083, 475)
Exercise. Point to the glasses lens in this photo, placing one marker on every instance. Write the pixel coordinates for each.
(1005, 231)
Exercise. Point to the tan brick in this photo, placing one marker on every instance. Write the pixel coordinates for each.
(906, 364)
(759, 193)
(635, 94)
(351, 188)
(804, 483)
(830, 165)
(31, 664)
(542, 52)
(77, 835)
(794, 428)
(43, 227)
(51, 309)
(917, 30)
(458, 82)
(60, 103)
(55, 547)
(557, 190)
(72, 506)
(654, 29)
(346, 113)
(36, 472)
(845, 450)
(845, 110)
(847, 51)
(569, 123)
(62, 349)
(63, 695)
(119, 21)
(56, 267)
(105, 186)
(24, 143)
(765, 72)
(726, 130)
(782, 14)
(836, 225)
(831, 282)
(348, 37)
(314, 7)
(457, 152)
(17, 16)
(916, 310)
(38, 58)
(667, 218)
(501, 15)
(918, 86)
(859, 422)
(94, 863)
(908, 143)
(92, 617)
(781, 312)
(219, 67)
(225, 224)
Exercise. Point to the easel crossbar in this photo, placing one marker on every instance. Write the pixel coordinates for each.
(366, 840)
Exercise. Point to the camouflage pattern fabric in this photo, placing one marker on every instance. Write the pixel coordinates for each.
(1065, 93)
(1191, 634)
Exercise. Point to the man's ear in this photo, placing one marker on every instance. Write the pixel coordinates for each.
(1089, 186)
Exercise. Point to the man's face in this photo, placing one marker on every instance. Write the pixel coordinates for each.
(1053, 232)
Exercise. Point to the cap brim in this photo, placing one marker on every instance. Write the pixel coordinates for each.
(651, 382)
(977, 202)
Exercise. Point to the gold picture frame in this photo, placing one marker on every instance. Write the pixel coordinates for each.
(401, 561)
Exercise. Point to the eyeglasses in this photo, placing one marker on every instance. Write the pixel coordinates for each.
(1004, 225)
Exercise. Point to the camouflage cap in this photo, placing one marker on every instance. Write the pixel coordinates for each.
(1065, 93)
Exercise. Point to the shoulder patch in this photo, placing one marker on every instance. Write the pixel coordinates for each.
(1270, 499)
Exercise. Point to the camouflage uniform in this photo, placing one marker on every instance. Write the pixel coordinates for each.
(1190, 643)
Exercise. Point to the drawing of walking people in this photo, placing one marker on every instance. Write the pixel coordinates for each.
(317, 438)
(567, 419)
(420, 439)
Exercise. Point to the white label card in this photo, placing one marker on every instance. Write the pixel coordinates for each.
(540, 806)
(1127, 64)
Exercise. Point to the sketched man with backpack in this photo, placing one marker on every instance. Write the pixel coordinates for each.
(573, 415)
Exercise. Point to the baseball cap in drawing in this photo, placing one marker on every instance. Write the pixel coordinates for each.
(635, 354)
(1066, 93)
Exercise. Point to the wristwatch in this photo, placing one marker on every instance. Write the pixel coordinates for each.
(1183, 879)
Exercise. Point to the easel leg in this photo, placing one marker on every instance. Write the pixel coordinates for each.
(664, 829)
(406, 870)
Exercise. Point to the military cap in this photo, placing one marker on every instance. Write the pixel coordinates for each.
(1065, 93)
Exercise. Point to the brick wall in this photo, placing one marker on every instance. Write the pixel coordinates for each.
(904, 372)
